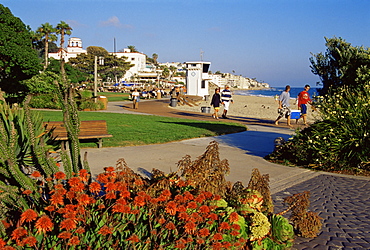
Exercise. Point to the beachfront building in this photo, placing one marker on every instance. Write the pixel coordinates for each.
(235, 81)
(197, 78)
(73, 49)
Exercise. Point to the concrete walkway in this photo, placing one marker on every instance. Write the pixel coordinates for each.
(342, 201)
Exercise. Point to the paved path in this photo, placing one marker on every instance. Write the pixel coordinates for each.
(342, 201)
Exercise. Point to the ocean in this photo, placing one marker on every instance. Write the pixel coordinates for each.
(271, 92)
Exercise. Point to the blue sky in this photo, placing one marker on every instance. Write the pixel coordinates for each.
(270, 40)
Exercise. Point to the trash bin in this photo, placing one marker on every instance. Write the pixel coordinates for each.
(173, 102)
(205, 109)
(206, 98)
(104, 100)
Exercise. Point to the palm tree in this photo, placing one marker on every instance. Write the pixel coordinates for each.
(47, 31)
(63, 29)
(132, 48)
(155, 57)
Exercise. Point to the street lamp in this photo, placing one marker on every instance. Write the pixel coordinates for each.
(101, 62)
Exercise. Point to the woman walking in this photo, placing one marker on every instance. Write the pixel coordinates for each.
(216, 101)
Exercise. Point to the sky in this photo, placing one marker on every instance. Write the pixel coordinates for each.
(269, 40)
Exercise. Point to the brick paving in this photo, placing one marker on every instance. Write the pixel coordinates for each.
(344, 205)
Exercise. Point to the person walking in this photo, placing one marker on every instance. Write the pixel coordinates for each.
(303, 100)
(226, 99)
(284, 110)
(216, 101)
(135, 99)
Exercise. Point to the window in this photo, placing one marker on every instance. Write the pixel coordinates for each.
(203, 85)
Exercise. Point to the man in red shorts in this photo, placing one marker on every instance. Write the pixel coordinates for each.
(303, 100)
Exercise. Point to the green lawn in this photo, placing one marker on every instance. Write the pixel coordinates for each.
(129, 130)
(115, 96)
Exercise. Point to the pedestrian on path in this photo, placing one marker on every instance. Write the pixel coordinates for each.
(216, 101)
(284, 110)
(135, 99)
(226, 99)
(303, 100)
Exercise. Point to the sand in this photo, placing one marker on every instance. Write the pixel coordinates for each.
(254, 107)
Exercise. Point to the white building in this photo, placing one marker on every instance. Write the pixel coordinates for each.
(197, 78)
(73, 49)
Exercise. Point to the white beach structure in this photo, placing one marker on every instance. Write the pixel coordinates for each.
(73, 49)
(197, 78)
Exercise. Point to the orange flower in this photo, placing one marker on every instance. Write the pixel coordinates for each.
(234, 217)
(181, 183)
(74, 241)
(27, 192)
(57, 199)
(95, 187)
(216, 246)
(2, 242)
(234, 233)
(110, 186)
(78, 187)
(119, 208)
(170, 226)
(139, 182)
(74, 181)
(204, 209)
(224, 226)
(161, 221)
(200, 198)
(217, 237)
(180, 244)
(110, 195)
(105, 230)
(139, 201)
(180, 198)
(217, 197)
(19, 233)
(30, 240)
(83, 199)
(166, 192)
(64, 235)
(59, 175)
(236, 226)
(36, 174)
(181, 208)
(207, 194)
(190, 227)
(84, 175)
(204, 232)
(125, 194)
(109, 169)
(171, 208)
(188, 196)
(192, 205)
(213, 216)
(68, 224)
(80, 230)
(134, 238)
(44, 224)
(28, 215)
(200, 241)
(184, 216)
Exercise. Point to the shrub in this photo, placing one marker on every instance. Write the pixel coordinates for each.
(340, 142)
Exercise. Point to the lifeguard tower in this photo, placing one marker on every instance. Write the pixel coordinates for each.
(197, 78)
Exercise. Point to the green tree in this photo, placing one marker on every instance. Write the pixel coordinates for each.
(97, 51)
(74, 75)
(132, 48)
(155, 58)
(341, 64)
(18, 61)
(47, 34)
(113, 67)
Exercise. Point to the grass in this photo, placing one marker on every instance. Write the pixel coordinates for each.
(131, 130)
(115, 96)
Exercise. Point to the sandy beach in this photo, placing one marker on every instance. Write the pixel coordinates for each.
(252, 106)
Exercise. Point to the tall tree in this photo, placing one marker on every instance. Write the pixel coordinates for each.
(47, 33)
(63, 29)
(132, 48)
(18, 61)
(341, 64)
(155, 58)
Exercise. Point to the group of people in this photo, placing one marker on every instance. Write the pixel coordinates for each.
(223, 98)
(284, 106)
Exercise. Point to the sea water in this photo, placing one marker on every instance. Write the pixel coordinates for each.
(273, 91)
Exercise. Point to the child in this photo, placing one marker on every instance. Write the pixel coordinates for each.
(216, 101)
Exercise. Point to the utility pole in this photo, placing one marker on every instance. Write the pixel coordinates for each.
(95, 76)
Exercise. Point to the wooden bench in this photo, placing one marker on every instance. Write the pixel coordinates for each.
(96, 129)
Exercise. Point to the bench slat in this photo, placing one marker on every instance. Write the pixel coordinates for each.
(95, 129)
